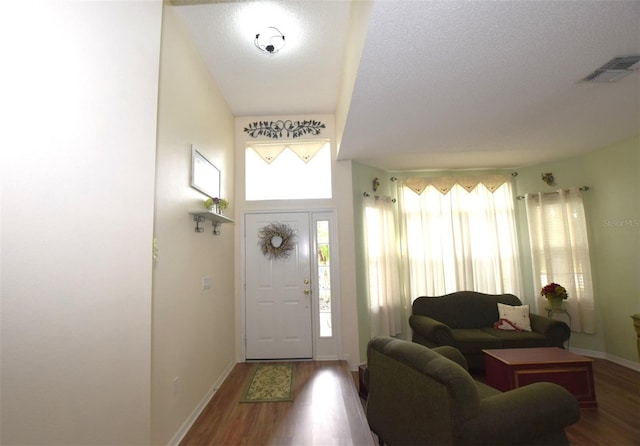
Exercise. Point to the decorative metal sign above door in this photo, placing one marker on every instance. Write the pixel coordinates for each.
(275, 129)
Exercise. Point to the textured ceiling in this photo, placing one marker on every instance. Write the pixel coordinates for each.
(303, 77)
(440, 84)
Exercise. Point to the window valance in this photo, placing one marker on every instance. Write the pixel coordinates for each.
(445, 183)
(305, 150)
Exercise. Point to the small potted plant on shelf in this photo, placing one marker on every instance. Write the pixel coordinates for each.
(216, 204)
(555, 294)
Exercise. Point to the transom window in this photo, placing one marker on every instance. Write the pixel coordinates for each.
(288, 170)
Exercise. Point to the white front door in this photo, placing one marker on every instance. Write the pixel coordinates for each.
(278, 290)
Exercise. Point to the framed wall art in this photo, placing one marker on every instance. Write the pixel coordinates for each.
(205, 177)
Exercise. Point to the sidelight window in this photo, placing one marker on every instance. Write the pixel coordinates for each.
(324, 277)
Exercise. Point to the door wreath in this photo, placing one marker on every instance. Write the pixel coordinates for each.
(276, 240)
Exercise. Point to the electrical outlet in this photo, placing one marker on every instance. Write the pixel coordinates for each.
(206, 282)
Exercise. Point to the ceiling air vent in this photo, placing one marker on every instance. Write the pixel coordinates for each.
(615, 69)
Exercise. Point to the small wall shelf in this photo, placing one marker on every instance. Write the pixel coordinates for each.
(216, 220)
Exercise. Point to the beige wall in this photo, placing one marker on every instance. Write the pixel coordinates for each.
(78, 156)
(193, 329)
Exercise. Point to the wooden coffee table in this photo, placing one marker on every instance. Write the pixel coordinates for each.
(509, 368)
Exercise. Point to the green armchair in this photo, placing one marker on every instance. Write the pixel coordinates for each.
(423, 396)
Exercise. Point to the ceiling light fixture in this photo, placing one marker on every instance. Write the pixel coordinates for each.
(270, 40)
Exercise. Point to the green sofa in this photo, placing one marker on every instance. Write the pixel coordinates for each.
(422, 396)
(465, 320)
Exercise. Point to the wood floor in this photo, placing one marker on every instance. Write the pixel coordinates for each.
(616, 421)
(328, 411)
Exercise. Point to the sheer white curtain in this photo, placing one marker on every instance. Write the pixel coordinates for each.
(457, 237)
(560, 252)
(385, 301)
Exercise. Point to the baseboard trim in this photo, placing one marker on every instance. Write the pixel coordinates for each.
(326, 358)
(180, 434)
(613, 358)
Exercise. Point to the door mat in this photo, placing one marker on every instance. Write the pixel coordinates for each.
(270, 382)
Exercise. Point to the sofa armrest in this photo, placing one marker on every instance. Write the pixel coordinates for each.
(557, 332)
(521, 415)
(431, 329)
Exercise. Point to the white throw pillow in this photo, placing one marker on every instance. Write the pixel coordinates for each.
(513, 318)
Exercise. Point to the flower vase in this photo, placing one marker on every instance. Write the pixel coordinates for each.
(555, 304)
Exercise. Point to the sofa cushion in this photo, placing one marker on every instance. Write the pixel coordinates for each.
(469, 340)
(516, 339)
(516, 317)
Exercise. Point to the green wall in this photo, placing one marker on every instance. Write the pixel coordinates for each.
(362, 177)
(612, 206)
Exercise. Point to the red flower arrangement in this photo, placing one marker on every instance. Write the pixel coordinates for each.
(554, 291)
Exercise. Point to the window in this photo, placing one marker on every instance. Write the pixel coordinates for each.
(325, 274)
(288, 170)
(560, 252)
(459, 236)
(324, 278)
(383, 281)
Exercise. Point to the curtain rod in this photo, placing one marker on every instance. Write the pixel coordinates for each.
(367, 194)
(513, 174)
(583, 188)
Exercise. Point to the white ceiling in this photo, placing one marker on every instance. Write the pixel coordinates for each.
(440, 84)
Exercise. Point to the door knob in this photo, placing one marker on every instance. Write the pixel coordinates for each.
(307, 292)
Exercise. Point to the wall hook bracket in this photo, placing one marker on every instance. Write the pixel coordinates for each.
(198, 219)
(217, 220)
